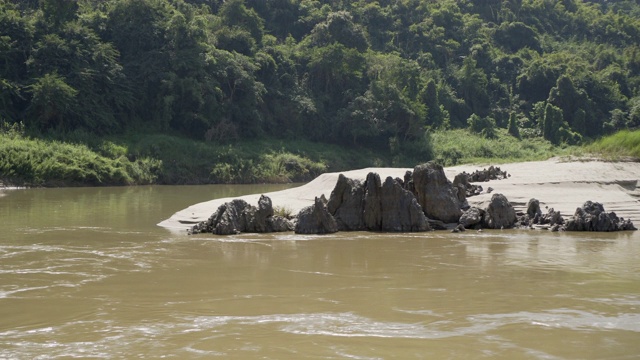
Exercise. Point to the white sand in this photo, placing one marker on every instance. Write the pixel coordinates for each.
(562, 185)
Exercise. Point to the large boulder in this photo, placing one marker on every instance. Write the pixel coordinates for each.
(435, 193)
(400, 209)
(499, 213)
(237, 216)
(227, 220)
(533, 208)
(592, 217)
(346, 204)
(316, 219)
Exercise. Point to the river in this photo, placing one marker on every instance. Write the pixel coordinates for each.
(86, 273)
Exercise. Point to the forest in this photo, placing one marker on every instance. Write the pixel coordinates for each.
(383, 75)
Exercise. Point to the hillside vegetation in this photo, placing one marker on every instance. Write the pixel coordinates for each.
(193, 91)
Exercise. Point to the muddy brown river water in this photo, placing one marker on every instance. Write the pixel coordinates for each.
(86, 273)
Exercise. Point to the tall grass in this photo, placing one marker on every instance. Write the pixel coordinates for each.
(623, 145)
(452, 147)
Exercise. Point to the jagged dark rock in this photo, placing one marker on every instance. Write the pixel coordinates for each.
(374, 206)
(400, 209)
(316, 219)
(461, 182)
(533, 208)
(346, 204)
(372, 213)
(592, 217)
(237, 216)
(492, 173)
(435, 193)
(472, 217)
(552, 217)
(499, 213)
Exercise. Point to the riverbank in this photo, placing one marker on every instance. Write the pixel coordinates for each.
(557, 183)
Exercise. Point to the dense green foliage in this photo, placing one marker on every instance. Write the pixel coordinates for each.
(37, 162)
(379, 77)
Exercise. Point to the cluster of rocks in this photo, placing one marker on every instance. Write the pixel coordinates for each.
(237, 216)
(423, 200)
(464, 180)
(492, 173)
(591, 216)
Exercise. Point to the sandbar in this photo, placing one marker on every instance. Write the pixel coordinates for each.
(562, 184)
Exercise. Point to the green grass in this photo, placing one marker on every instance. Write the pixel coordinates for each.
(623, 145)
(36, 162)
(453, 147)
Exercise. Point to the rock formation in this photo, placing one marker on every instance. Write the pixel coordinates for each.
(499, 213)
(346, 204)
(374, 206)
(492, 173)
(400, 210)
(592, 217)
(316, 219)
(465, 188)
(237, 216)
(472, 218)
(435, 193)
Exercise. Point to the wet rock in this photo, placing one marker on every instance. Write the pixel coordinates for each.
(499, 213)
(316, 219)
(435, 193)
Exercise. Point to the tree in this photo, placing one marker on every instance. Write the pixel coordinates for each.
(513, 125)
(485, 126)
(473, 87)
(235, 14)
(53, 102)
(551, 123)
(339, 28)
(435, 112)
(516, 35)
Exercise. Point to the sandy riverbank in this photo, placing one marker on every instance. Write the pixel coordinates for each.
(557, 183)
